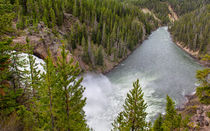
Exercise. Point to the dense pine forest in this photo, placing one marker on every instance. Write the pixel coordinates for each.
(193, 30)
(75, 36)
(104, 31)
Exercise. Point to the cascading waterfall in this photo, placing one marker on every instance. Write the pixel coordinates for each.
(162, 69)
(40, 62)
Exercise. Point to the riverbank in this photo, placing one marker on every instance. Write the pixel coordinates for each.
(193, 54)
(157, 64)
(112, 66)
(198, 113)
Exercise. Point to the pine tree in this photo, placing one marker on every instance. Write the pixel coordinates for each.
(75, 13)
(33, 79)
(45, 17)
(13, 98)
(119, 123)
(85, 56)
(27, 82)
(8, 96)
(52, 16)
(30, 111)
(133, 117)
(71, 99)
(203, 91)
(73, 38)
(109, 49)
(100, 57)
(158, 123)
(47, 94)
(171, 120)
(104, 39)
(18, 64)
(6, 18)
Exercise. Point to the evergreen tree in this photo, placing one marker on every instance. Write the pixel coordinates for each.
(85, 56)
(73, 38)
(158, 123)
(133, 117)
(33, 80)
(109, 49)
(52, 16)
(104, 39)
(171, 120)
(119, 123)
(18, 64)
(7, 15)
(13, 96)
(75, 8)
(203, 91)
(45, 17)
(48, 94)
(8, 96)
(29, 113)
(192, 31)
(71, 97)
(100, 57)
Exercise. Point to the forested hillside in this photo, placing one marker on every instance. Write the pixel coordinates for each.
(192, 30)
(53, 99)
(93, 35)
(98, 33)
(159, 8)
(182, 7)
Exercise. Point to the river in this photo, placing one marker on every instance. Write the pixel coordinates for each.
(162, 68)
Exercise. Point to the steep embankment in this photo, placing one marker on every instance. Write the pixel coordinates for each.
(172, 16)
(191, 33)
(158, 8)
(182, 7)
(147, 11)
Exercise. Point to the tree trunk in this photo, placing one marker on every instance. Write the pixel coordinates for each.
(52, 118)
(50, 96)
(67, 104)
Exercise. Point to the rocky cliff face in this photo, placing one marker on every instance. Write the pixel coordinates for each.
(42, 39)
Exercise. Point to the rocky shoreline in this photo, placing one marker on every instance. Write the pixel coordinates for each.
(124, 58)
(193, 54)
(197, 112)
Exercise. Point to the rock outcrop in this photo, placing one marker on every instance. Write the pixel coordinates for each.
(42, 39)
(199, 119)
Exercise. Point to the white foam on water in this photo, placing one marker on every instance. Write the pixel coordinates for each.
(98, 88)
(105, 99)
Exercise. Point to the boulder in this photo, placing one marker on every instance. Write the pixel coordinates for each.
(206, 123)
